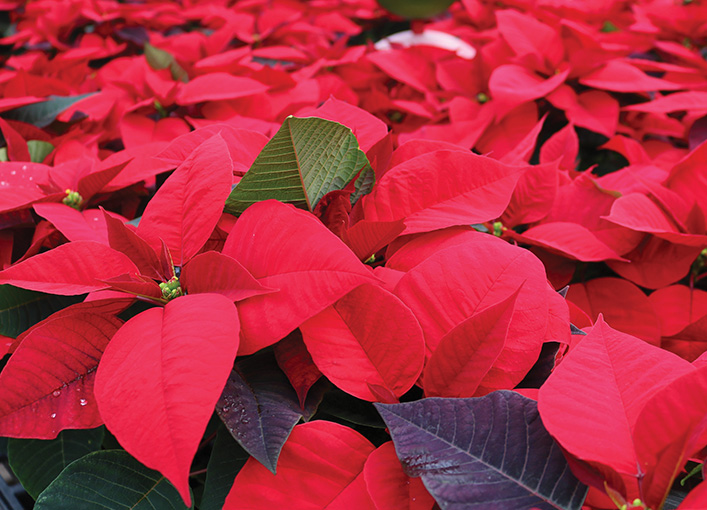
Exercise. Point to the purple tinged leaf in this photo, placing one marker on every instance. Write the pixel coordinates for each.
(259, 408)
(484, 453)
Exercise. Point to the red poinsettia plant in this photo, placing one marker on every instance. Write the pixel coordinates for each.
(272, 254)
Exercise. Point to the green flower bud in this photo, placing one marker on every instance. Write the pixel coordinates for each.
(171, 289)
(482, 98)
(498, 228)
(73, 199)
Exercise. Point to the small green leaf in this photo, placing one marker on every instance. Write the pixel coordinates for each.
(20, 309)
(227, 459)
(44, 113)
(365, 180)
(109, 479)
(160, 59)
(306, 159)
(36, 462)
(38, 150)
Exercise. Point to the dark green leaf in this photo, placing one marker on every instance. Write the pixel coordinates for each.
(20, 309)
(42, 114)
(364, 182)
(227, 459)
(305, 160)
(109, 479)
(37, 462)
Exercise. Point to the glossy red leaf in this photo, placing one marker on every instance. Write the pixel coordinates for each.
(188, 206)
(70, 222)
(152, 363)
(135, 284)
(595, 110)
(608, 374)
(466, 354)
(367, 337)
(220, 274)
(47, 385)
(69, 269)
(274, 242)
(306, 479)
(442, 189)
(366, 237)
(295, 361)
(529, 37)
(622, 304)
(457, 282)
(693, 100)
(389, 486)
(563, 146)
(407, 66)
(696, 499)
(15, 144)
(215, 86)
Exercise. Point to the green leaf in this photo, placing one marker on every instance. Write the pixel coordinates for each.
(42, 114)
(365, 180)
(109, 479)
(20, 309)
(36, 462)
(38, 150)
(161, 59)
(227, 459)
(305, 160)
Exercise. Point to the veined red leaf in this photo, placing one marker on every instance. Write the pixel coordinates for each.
(47, 385)
(389, 486)
(135, 284)
(569, 239)
(466, 354)
(152, 363)
(69, 269)
(623, 305)
(656, 263)
(678, 306)
(529, 37)
(367, 237)
(243, 145)
(305, 478)
(533, 195)
(638, 212)
(608, 374)
(669, 430)
(188, 206)
(407, 66)
(125, 240)
(296, 362)
(563, 146)
(308, 282)
(215, 86)
(442, 189)
(457, 282)
(70, 222)
(220, 274)
(367, 337)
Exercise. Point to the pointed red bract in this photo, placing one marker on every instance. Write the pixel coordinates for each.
(442, 189)
(274, 242)
(220, 274)
(305, 478)
(367, 337)
(609, 374)
(296, 362)
(466, 354)
(69, 269)
(215, 86)
(47, 385)
(188, 206)
(70, 222)
(125, 240)
(457, 282)
(161, 376)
